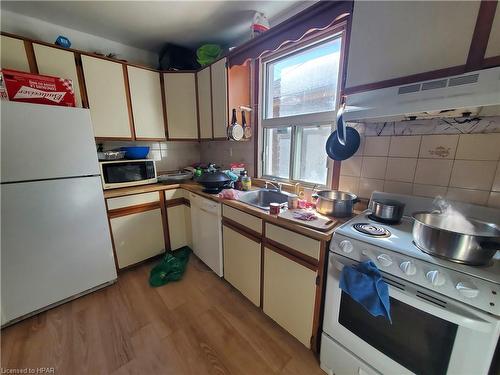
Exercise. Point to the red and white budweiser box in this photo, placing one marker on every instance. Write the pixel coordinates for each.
(34, 88)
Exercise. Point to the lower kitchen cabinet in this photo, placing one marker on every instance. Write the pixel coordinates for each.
(179, 226)
(289, 294)
(137, 236)
(242, 261)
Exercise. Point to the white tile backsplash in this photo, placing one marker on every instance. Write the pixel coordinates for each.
(456, 158)
(473, 174)
(478, 147)
(401, 169)
(405, 146)
(439, 146)
(373, 167)
(433, 172)
(376, 146)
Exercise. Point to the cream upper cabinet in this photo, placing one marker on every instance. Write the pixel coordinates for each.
(205, 103)
(242, 260)
(219, 98)
(180, 97)
(107, 97)
(493, 48)
(179, 226)
(289, 295)
(137, 236)
(13, 54)
(60, 63)
(147, 107)
(400, 38)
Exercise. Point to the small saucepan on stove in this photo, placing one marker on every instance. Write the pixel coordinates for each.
(387, 210)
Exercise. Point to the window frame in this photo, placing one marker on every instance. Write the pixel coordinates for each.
(302, 120)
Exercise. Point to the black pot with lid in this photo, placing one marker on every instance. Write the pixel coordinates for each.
(213, 180)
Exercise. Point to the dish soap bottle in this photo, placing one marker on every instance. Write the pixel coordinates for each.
(246, 181)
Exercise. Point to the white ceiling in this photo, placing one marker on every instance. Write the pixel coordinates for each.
(150, 24)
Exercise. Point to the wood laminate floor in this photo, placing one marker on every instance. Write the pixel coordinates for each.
(200, 325)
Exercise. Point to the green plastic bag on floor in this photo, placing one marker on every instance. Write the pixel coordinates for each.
(171, 268)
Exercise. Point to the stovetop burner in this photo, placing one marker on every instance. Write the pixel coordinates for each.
(371, 230)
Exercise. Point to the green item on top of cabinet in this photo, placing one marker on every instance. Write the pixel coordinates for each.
(171, 268)
(208, 53)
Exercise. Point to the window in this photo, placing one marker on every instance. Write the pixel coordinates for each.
(299, 96)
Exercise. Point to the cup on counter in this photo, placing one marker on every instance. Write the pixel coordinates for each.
(293, 202)
(274, 208)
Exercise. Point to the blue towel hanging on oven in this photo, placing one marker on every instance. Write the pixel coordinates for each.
(365, 285)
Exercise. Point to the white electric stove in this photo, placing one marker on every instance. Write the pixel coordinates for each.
(446, 315)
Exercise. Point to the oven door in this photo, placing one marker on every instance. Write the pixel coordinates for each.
(123, 173)
(429, 334)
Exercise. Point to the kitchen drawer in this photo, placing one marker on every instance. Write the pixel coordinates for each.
(295, 241)
(247, 220)
(175, 194)
(132, 200)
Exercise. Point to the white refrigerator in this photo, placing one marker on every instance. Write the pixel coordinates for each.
(55, 240)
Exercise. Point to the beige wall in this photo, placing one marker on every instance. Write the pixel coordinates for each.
(225, 152)
(428, 158)
(169, 156)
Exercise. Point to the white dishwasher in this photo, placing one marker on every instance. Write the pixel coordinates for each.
(206, 217)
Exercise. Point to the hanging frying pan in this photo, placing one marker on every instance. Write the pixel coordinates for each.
(343, 142)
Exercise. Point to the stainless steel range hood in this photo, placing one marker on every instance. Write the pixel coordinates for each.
(474, 93)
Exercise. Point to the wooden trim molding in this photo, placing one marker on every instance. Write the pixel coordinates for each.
(176, 202)
(481, 36)
(249, 233)
(164, 219)
(81, 80)
(30, 54)
(306, 258)
(491, 62)
(211, 101)
(292, 256)
(129, 102)
(197, 105)
(124, 211)
(164, 103)
(319, 298)
(115, 256)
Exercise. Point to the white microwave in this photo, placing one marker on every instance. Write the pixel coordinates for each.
(124, 173)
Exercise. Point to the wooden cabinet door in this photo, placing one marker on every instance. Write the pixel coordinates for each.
(147, 107)
(493, 48)
(106, 92)
(60, 63)
(137, 236)
(242, 260)
(180, 97)
(13, 54)
(205, 103)
(177, 226)
(397, 39)
(219, 98)
(289, 294)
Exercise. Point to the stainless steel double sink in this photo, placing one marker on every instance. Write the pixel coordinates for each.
(262, 198)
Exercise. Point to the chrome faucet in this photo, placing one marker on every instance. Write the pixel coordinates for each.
(276, 186)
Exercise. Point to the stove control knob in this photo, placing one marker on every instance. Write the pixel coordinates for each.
(408, 268)
(436, 278)
(385, 260)
(467, 289)
(346, 246)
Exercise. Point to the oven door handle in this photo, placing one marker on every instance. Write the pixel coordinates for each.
(461, 315)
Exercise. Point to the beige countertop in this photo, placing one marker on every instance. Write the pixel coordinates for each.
(198, 189)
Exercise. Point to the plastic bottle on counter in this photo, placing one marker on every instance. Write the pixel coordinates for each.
(246, 181)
